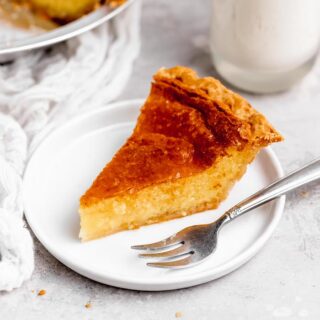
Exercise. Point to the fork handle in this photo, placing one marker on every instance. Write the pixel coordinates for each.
(293, 180)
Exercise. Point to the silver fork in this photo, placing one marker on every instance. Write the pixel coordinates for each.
(195, 243)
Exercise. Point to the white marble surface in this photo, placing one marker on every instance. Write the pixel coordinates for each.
(282, 281)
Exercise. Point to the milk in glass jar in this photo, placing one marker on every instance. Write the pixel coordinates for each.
(264, 45)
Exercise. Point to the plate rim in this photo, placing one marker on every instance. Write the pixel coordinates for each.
(182, 281)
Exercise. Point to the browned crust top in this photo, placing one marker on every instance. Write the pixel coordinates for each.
(185, 125)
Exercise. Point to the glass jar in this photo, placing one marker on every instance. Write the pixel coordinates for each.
(264, 45)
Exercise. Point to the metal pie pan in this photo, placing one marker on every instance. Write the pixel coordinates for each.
(9, 51)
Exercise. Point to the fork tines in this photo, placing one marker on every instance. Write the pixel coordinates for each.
(173, 253)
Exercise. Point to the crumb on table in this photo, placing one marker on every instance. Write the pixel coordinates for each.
(88, 305)
(304, 194)
(42, 292)
(178, 314)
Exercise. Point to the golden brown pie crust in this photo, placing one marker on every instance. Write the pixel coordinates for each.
(186, 123)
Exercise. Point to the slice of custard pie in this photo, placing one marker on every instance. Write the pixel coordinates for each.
(193, 140)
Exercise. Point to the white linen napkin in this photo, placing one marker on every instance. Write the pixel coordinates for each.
(39, 91)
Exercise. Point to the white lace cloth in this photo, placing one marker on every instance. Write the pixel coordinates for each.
(40, 90)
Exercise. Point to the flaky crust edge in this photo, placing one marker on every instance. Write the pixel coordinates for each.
(262, 133)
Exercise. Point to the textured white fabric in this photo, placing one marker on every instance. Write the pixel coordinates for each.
(15, 241)
(39, 91)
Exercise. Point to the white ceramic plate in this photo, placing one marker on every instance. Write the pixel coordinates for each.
(67, 161)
